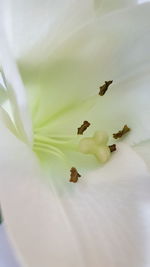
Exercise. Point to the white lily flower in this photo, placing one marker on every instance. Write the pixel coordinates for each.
(64, 52)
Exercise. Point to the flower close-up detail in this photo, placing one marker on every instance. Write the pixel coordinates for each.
(75, 131)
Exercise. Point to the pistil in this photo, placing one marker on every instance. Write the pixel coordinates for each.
(96, 145)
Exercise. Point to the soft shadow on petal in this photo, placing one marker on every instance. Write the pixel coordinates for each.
(101, 39)
(96, 222)
(27, 22)
(144, 150)
(104, 6)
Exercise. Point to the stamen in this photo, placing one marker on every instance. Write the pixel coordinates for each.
(83, 127)
(112, 148)
(104, 87)
(74, 175)
(125, 130)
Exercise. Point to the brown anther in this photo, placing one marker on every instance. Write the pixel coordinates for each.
(74, 175)
(83, 127)
(104, 87)
(125, 130)
(112, 148)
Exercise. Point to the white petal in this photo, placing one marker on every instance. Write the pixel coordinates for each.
(127, 102)
(144, 150)
(26, 22)
(103, 39)
(96, 222)
(114, 47)
(14, 88)
(143, 1)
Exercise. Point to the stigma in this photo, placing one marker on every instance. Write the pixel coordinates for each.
(96, 146)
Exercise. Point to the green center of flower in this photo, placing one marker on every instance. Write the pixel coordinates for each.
(53, 145)
(56, 144)
(50, 128)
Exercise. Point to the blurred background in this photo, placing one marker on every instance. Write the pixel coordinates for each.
(7, 257)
